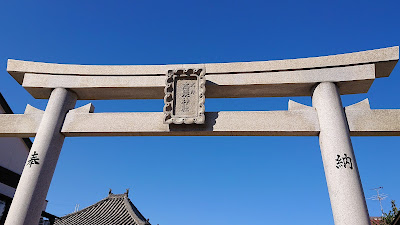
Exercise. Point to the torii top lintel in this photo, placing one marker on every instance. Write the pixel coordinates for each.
(353, 72)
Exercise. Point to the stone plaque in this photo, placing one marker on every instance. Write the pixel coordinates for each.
(185, 96)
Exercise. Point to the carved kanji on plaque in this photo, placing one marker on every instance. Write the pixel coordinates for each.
(185, 96)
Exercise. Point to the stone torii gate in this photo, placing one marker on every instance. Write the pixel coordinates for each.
(183, 89)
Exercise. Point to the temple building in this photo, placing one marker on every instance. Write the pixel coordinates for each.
(13, 154)
(114, 209)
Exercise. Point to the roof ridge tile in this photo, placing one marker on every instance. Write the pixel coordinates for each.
(115, 207)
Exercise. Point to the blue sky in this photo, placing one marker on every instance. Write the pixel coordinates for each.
(197, 180)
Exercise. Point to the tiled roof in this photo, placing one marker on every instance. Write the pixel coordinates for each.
(376, 220)
(116, 209)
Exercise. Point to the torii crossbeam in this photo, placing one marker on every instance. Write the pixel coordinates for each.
(323, 78)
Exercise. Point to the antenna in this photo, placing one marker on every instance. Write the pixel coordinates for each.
(379, 197)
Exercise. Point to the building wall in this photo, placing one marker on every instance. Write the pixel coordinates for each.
(13, 154)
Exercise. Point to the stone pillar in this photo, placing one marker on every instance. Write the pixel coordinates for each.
(27, 205)
(341, 172)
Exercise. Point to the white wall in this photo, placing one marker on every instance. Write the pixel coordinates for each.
(13, 155)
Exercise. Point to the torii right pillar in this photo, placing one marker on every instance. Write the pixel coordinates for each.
(341, 171)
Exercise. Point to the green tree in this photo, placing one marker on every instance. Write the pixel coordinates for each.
(388, 218)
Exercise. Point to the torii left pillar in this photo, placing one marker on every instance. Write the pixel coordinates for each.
(27, 205)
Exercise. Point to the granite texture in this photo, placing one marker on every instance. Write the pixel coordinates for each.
(340, 165)
(351, 80)
(184, 96)
(331, 75)
(385, 56)
(300, 120)
(354, 73)
(27, 205)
